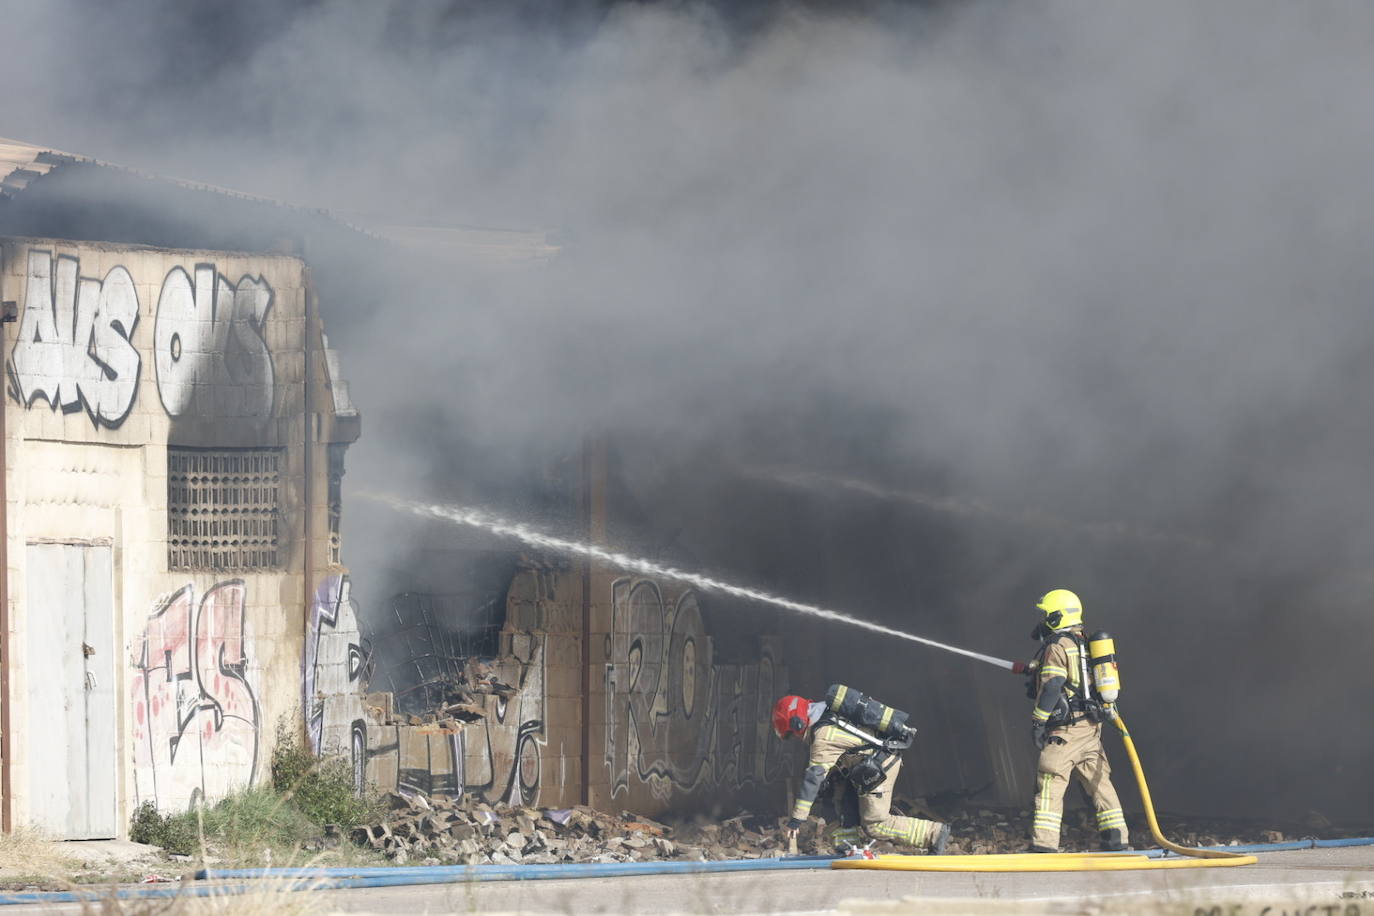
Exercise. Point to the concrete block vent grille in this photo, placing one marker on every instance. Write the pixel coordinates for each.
(222, 508)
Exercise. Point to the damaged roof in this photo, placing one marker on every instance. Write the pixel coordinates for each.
(21, 164)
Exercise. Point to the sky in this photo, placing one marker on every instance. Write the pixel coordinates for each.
(1096, 273)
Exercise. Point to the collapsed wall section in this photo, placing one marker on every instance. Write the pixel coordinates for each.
(647, 720)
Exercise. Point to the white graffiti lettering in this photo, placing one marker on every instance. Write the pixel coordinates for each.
(209, 345)
(75, 346)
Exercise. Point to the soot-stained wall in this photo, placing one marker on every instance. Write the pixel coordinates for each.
(653, 721)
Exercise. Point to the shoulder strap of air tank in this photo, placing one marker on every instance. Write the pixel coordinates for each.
(1075, 690)
(1087, 690)
(854, 730)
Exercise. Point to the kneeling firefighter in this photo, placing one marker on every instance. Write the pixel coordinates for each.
(1073, 682)
(855, 741)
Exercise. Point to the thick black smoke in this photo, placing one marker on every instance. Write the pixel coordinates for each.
(915, 310)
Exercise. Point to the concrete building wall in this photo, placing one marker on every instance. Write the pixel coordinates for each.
(119, 354)
(672, 727)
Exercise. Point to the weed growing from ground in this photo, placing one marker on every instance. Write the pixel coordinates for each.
(321, 787)
(175, 833)
(268, 822)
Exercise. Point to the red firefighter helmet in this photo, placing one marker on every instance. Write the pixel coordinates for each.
(791, 715)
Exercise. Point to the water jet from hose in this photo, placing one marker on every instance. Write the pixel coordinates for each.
(494, 524)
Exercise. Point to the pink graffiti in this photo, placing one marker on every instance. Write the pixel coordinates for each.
(195, 715)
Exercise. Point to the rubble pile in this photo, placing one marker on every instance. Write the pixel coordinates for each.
(451, 699)
(467, 831)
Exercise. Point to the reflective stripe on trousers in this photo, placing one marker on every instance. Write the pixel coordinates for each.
(1081, 754)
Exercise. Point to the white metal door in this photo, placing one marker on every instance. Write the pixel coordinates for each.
(71, 702)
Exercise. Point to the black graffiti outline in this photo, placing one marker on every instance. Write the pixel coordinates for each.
(527, 730)
(663, 767)
(15, 387)
(232, 330)
(712, 762)
(528, 734)
(328, 607)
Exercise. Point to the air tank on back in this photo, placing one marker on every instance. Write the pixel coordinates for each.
(1102, 658)
(865, 712)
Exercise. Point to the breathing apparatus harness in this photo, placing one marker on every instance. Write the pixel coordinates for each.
(886, 734)
(1077, 700)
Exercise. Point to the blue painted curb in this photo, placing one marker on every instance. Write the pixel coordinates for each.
(339, 878)
(1309, 843)
(525, 872)
(399, 876)
(1349, 841)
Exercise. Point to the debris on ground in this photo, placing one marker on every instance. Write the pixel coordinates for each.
(985, 829)
(439, 830)
(466, 831)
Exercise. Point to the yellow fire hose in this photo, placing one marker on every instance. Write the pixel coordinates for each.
(1158, 835)
(1067, 861)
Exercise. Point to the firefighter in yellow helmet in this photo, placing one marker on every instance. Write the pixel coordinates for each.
(854, 745)
(1067, 727)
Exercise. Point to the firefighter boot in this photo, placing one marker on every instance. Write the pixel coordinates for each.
(1115, 841)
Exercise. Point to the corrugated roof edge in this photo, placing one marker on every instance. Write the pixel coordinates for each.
(17, 157)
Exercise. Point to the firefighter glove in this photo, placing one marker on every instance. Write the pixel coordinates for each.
(793, 823)
(1040, 733)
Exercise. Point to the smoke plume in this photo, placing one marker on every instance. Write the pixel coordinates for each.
(1106, 267)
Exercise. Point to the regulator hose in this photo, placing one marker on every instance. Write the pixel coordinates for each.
(1159, 837)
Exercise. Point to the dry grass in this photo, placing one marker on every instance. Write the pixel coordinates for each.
(31, 858)
(29, 854)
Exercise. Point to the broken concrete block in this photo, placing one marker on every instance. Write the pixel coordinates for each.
(381, 706)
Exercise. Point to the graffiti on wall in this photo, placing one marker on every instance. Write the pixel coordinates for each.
(496, 756)
(75, 343)
(501, 758)
(75, 348)
(675, 720)
(195, 714)
(333, 676)
(208, 344)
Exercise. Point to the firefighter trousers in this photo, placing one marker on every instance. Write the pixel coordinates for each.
(878, 821)
(1082, 753)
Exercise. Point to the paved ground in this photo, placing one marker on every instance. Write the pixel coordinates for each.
(1322, 882)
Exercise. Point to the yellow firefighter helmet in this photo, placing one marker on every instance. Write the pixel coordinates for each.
(1062, 609)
